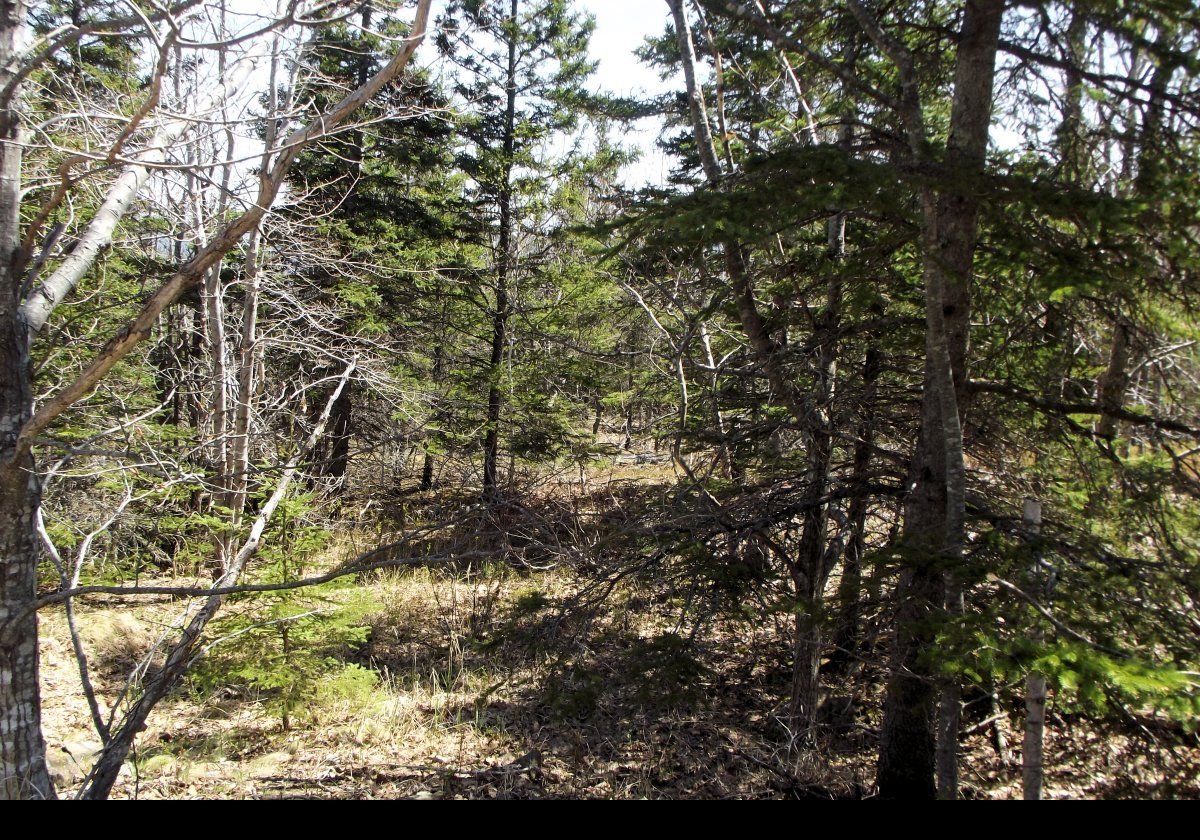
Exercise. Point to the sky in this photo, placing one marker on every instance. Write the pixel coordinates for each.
(621, 27)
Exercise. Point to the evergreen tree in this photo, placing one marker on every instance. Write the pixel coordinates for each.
(521, 66)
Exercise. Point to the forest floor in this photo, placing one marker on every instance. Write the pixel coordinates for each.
(494, 682)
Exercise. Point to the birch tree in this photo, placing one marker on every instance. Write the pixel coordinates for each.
(23, 769)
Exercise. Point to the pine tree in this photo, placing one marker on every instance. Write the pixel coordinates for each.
(522, 66)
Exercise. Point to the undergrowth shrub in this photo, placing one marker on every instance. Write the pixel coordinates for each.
(291, 648)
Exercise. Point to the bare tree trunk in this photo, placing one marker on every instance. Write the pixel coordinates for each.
(214, 322)
(806, 671)
(996, 712)
(1035, 727)
(23, 771)
(817, 429)
(239, 477)
(1035, 683)
(808, 570)
(935, 508)
(627, 444)
(730, 467)
(1070, 132)
(427, 468)
(427, 473)
(341, 427)
(812, 571)
(1115, 381)
(850, 592)
(597, 418)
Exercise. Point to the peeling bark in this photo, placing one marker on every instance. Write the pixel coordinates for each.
(23, 771)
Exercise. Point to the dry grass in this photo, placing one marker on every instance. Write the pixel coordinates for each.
(493, 682)
(118, 641)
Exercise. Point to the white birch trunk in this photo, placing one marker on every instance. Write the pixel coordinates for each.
(98, 235)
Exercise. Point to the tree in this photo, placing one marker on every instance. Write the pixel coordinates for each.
(23, 768)
(381, 252)
(524, 69)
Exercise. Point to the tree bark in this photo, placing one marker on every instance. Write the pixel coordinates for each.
(850, 594)
(1114, 382)
(813, 563)
(427, 468)
(23, 770)
(238, 487)
(809, 570)
(935, 508)
(1035, 682)
(340, 430)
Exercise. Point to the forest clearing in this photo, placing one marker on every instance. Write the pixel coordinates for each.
(503, 682)
(599, 399)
